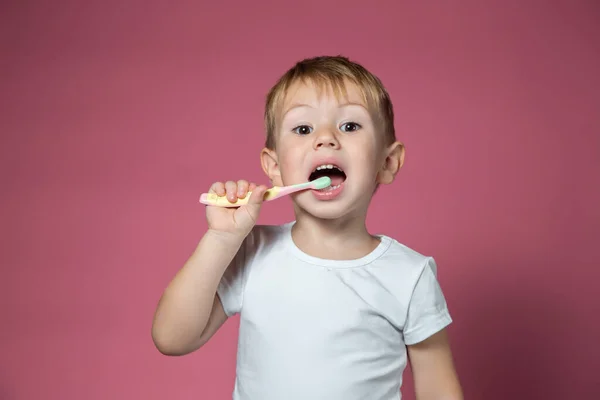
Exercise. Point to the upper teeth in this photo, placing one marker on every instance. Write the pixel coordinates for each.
(328, 166)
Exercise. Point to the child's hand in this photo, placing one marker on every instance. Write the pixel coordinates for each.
(239, 221)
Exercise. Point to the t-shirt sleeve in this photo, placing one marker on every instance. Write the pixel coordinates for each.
(233, 283)
(427, 311)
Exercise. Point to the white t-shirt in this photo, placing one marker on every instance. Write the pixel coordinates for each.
(315, 329)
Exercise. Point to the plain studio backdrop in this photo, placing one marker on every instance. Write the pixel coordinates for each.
(116, 115)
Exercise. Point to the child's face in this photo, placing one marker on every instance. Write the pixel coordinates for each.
(317, 129)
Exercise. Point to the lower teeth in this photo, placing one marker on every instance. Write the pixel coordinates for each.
(327, 189)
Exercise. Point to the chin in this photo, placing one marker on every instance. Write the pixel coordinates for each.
(325, 213)
(315, 205)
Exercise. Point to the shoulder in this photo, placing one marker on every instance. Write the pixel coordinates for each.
(266, 237)
(389, 283)
(399, 260)
(262, 242)
(403, 272)
(270, 233)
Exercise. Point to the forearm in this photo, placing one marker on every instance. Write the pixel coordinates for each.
(450, 396)
(185, 306)
(444, 394)
(433, 369)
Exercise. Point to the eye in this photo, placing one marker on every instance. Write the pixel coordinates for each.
(350, 127)
(302, 130)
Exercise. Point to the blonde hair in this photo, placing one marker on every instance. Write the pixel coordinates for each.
(332, 72)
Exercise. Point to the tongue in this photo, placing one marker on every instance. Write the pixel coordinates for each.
(336, 180)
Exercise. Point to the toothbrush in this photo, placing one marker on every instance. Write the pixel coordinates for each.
(212, 199)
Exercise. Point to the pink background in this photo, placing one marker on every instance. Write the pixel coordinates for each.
(115, 116)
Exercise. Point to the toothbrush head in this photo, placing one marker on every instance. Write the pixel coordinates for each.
(321, 183)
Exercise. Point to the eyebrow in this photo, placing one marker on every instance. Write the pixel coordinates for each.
(296, 105)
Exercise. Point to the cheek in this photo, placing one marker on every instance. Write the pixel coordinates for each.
(365, 154)
(288, 165)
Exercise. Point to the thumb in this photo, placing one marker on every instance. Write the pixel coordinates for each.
(257, 196)
(255, 202)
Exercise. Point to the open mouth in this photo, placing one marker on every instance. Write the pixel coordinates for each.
(335, 173)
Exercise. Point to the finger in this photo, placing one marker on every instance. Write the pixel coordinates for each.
(257, 195)
(242, 189)
(218, 188)
(231, 190)
(252, 187)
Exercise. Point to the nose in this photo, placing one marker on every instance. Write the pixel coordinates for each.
(326, 138)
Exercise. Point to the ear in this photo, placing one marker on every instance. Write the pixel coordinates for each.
(270, 166)
(394, 160)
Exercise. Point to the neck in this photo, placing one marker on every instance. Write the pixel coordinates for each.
(341, 239)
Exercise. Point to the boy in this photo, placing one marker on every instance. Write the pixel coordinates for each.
(328, 310)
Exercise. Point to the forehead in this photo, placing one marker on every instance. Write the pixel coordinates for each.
(310, 91)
